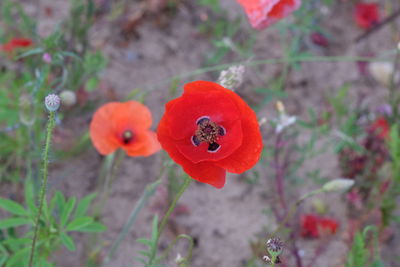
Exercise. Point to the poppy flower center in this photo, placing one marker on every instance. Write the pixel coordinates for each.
(127, 137)
(208, 132)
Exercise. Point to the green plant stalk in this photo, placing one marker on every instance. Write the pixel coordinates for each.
(183, 261)
(149, 191)
(293, 209)
(49, 133)
(171, 208)
(273, 260)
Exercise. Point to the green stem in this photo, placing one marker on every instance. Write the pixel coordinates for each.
(293, 209)
(50, 127)
(273, 260)
(149, 191)
(168, 249)
(164, 220)
(171, 208)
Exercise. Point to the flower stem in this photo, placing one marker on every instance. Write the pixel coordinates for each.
(171, 208)
(42, 196)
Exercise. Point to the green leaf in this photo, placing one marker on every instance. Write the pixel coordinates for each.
(20, 258)
(91, 84)
(79, 223)
(154, 233)
(31, 53)
(145, 241)
(13, 222)
(94, 227)
(67, 241)
(29, 197)
(60, 200)
(83, 205)
(67, 211)
(144, 253)
(141, 260)
(12, 207)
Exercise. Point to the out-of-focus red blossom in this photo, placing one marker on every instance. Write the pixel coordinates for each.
(362, 65)
(319, 39)
(263, 13)
(366, 15)
(380, 127)
(313, 226)
(16, 43)
(384, 186)
(210, 130)
(126, 126)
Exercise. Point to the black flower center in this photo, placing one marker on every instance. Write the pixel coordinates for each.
(127, 137)
(209, 132)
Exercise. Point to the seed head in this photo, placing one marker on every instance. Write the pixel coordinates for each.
(52, 102)
(274, 246)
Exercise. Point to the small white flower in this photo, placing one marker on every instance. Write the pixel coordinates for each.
(179, 259)
(382, 72)
(284, 121)
(231, 78)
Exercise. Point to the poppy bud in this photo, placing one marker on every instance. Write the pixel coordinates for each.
(52, 102)
(68, 98)
(339, 184)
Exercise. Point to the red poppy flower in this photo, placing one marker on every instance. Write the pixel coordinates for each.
(263, 13)
(313, 226)
(16, 43)
(123, 125)
(380, 127)
(210, 130)
(366, 15)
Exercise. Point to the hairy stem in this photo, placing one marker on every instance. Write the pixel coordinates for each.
(42, 196)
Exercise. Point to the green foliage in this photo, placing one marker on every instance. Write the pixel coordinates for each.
(359, 254)
(389, 202)
(60, 218)
(151, 245)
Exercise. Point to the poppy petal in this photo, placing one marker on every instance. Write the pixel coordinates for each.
(131, 113)
(144, 144)
(111, 121)
(101, 130)
(194, 104)
(248, 154)
(204, 172)
(228, 144)
(262, 13)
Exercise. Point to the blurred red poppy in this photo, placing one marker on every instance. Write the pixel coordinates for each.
(210, 130)
(15, 43)
(380, 127)
(314, 226)
(126, 126)
(366, 15)
(263, 13)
